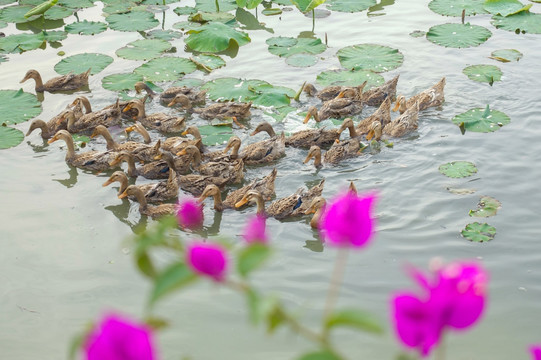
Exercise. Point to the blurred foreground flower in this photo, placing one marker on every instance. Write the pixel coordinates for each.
(348, 220)
(255, 231)
(189, 214)
(207, 259)
(455, 298)
(536, 351)
(117, 338)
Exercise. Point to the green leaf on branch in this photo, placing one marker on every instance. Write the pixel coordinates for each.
(173, 278)
(252, 257)
(354, 318)
(320, 355)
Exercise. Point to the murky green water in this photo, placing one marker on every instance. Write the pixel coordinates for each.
(64, 259)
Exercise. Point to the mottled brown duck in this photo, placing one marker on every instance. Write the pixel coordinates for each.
(146, 209)
(159, 121)
(141, 152)
(226, 110)
(376, 96)
(431, 97)
(320, 137)
(404, 124)
(154, 192)
(382, 114)
(60, 83)
(317, 206)
(232, 170)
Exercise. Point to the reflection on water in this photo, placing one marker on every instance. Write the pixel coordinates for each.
(39, 148)
(250, 22)
(71, 180)
(38, 25)
(122, 212)
(380, 6)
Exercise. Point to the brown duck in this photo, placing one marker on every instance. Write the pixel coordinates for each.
(60, 83)
(145, 209)
(154, 192)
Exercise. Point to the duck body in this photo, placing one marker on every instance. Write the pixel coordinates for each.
(340, 107)
(279, 209)
(87, 123)
(195, 184)
(158, 121)
(323, 138)
(141, 152)
(431, 97)
(195, 96)
(264, 186)
(154, 192)
(60, 83)
(404, 124)
(153, 170)
(317, 206)
(264, 151)
(376, 96)
(307, 197)
(145, 209)
(382, 114)
(225, 110)
(232, 170)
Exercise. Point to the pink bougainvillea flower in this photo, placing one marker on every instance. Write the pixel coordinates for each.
(207, 259)
(117, 338)
(189, 214)
(535, 350)
(255, 230)
(348, 220)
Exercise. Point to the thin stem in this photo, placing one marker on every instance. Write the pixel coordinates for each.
(336, 280)
(217, 6)
(313, 19)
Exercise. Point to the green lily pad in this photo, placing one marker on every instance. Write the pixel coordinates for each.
(350, 5)
(350, 78)
(275, 96)
(119, 82)
(158, 2)
(215, 37)
(14, 44)
(57, 13)
(17, 106)
(10, 137)
(184, 10)
(458, 169)
(505, 7)
(282, 41)
(7, 2)
(143, 49)
(166, 35)
(75, 4)
(301, 60)
(82, 62)
(187, 25)
(303, 45)
(249, 4)
(211, 62)
(86, 27)
(478, 232)
(119, 7)
(525, 22)
(166, 68)
(506, 55)
(204, 17)
(487, 206)
(215, 135)
(271, 11)
(455, 7)
(15, 14)
(483, 73)
(280, 113)
(372, 57)
(210, 5)
(482, 120)
(307, 5)
(54, 36)
(189, 82)
(458, 35)
(282, 2)
(3, 24)
(132, 21)
(417, 33)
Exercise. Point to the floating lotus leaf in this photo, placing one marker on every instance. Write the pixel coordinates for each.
(7, 2)
(158, 2)
(282, 41)
(282, 2)
(86, 27)
(350, 5)
(143, 49)
(280, 113)
(210, 5)
(119, 7)
(132, 21)
(307, 5)
(184, 10)
(478, 232)
(458, 35)
(505, 7)
(268, 95)
(119, 82)
(3, 24)
(417, 33)
(187, 25)
(215, 37)
(249, 4)
(303, 45)
(455, 7)
(54, 36)
(32, 3)
(483, 73)
(166, 68)
(189, 82)
(166, 35)
(10, 137)
(211, 62)
(18, 43)
(232, 89)
(525, 22)
(301, 60)
(203, 17)
(458, 169)
(350, 78)
(249, 21)
(482, 120)
(487, 206)
(506, 55)
(376, 58)
(80, 63)
(57, 13)
(271, 11)
(15, 14)
(75, 4)
(215, 135)
(17, 106)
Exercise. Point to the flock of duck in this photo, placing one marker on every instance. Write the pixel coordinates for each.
(184, 162)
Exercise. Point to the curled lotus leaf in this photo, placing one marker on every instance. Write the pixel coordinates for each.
(487, 206)
(505, 7)
(478, 232)
(186, 25)
(483, 73)
(10, 137)
(17, 106)
(18, 43)
(166, 68)
(86, 27)
(350, 5)
(271, 11)
(506, 55)
(215, 37)
(119, 82)
(377, 58)
(523, 22)
(303, 45)
(210, 5)
(455, 7)
(458, 169)
(80, 63)
(143, 49)
(132, 21)
(458, 35)
(350, 78)
(482, 120)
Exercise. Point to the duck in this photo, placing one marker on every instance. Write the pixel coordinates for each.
(159, 121)
(145, 209)
(382, 115)
(224, 110)
(154, 192)
(320, 137)
(264, 151)
(376, 96)
(375, 132)
(317, 206)
(86, 123)
(153, 170)
(60, 83)
(338, 152)
(307, 197)
(279, 209)
(49, 128)
(141, 152)
(233, 144)
(404, 124)
(196, 184)
(431, 97)
(90, 160)
(175, 144)
(232, 170)
(138, 127)
(195, 96)
(331, 92)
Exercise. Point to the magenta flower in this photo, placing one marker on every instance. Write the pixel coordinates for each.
(347, 221)
(117, 338)
(536, 351)
(207, 259)
(254, 231)
(189, 214)
(454, 299)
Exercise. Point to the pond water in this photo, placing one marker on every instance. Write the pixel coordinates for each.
(65, 259)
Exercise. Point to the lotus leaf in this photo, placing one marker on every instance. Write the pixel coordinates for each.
(487, 206)
(280, 113)
(119, 7)
(32, 3)
(307, 5)
(268, 95)
(86, 27)
(184, 10)
(7, 2)
(506, 55)
(350, 5)
(119, 82)
(10, 137)
(377, 58)
(166, 35)
(482, 120)
(18, 43)
(232, 89)
(15, 14)
(57, 13)
(455, 7)
(75, 4)
(3, 24)
(271, 11)
(190, 82)
(301, 60)
(40, 24)
(283, 2)
(210, 62)
(458, 35)
(215, 135)
(458, 169)
(158, 2)
(203, 17)
(478, 232)
(483, 73)
(303, 45)
(187, 25)
(166, 68)
(143, 49)
(215, 37)
(525, 22)
(282, 41)
(132, 21)
(350, 78)
(249, 21)
(54, 36)
(249, 4)
(17, 106)
(417, 33)
(505, 7)
(210, 5)
(82, 62)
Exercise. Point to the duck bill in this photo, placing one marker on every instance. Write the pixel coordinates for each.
(397, 105)
(370, 135)
(241, 203)
(26, 77)
(171, 103)
(184, 133)
(129, 129)
(123, 195)
(307, 159)
(108, 182)
(94, 134)
(307, 118)
(310, 210)
(127, 107)
(158, 157)
(52, 140)
(340, 95)
(182, 152)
